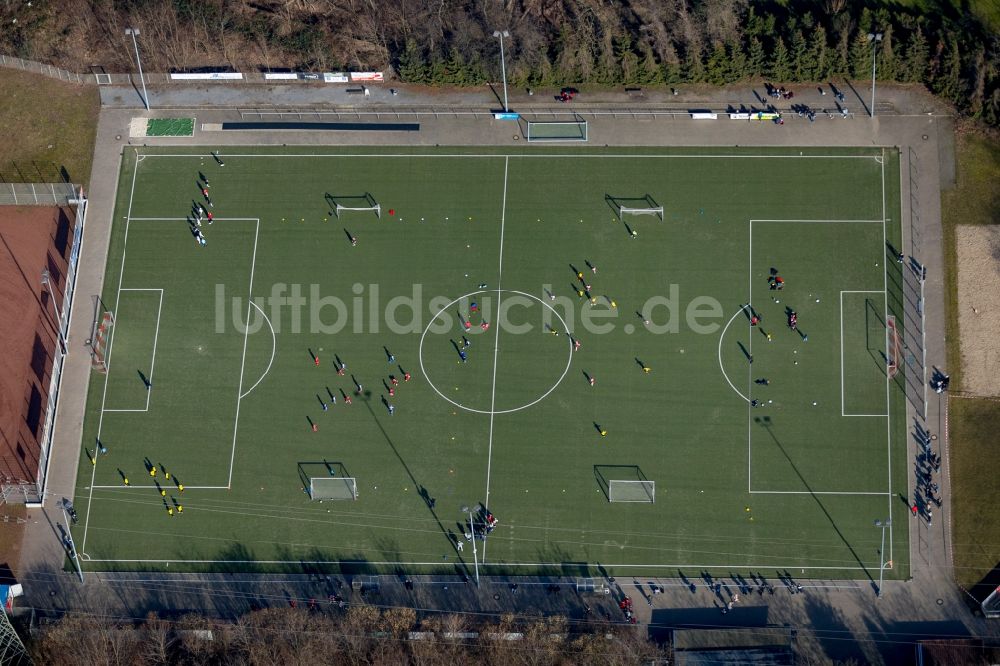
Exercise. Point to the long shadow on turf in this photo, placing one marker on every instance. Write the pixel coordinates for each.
(416, 484)
(765, 422)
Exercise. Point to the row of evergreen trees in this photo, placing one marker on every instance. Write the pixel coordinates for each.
(959, 61)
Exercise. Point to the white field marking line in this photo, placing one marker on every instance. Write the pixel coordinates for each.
(721, 366)
(496, 346)
(493, 155)
(843, 409)
(141, 487)
(427, 377)
(505, 564)
(152, 363)
(820, 221)
(274, 349)
(888, 404)
(750, 361)
(842, 402)
(243, 362)
(184, 219)
(107, 359)
(816, 492)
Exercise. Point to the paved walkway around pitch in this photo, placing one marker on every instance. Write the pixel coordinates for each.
(836, 619)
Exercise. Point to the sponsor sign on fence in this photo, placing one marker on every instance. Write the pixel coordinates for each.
(210, 76)
(367, 76)
(335, 77)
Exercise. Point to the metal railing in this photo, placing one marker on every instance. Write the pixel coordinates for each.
(41, 68)
(37, 194)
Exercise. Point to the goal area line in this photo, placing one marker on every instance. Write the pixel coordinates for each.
(512, 565)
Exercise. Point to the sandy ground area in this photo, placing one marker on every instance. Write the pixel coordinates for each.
(979, 307)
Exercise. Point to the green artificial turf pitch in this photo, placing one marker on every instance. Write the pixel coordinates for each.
(793, 484)
(170, 127)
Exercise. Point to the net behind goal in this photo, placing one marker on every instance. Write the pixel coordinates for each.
(631, 491)
(333, 488)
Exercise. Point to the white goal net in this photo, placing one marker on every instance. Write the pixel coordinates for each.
(652, 210)
(376, 208)
(333, 488)
(631, 491)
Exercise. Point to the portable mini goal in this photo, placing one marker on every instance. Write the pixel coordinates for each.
(629, 206)
(620, 490)
(333, 488)
(364, 203)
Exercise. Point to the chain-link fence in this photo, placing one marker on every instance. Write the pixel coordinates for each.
(37, 194)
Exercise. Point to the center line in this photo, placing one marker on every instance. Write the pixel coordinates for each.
(496, 346)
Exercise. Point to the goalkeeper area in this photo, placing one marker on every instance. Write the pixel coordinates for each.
(631, 360)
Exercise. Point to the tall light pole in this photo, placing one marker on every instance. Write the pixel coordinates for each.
(881, 553)
(875, 38)
(47, 282)
(133, 32)
(503, 66)
(475, 554)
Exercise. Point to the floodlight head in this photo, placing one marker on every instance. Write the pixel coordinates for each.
(131, 31)
(45, 276)
(501, 33)
(876, 36)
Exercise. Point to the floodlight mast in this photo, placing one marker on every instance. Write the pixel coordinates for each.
(133, 32)
(503, 66)
(875, 38)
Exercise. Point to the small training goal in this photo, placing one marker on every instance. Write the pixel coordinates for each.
(362, 203)
(620, 490)
(634, 206)
(333, 488)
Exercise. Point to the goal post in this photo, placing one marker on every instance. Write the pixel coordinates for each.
(893, 346)
(621, 490)
(650, 210)
(362, 203)
(333, 488)
(634, 205)
(99, 342)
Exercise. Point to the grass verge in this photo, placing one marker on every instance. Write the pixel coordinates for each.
(48, 125)
(974, 422)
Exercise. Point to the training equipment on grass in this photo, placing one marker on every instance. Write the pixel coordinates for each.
(99, 342)
(620, 490)
(365, 202)
(631, 206)
(333, 488)
(537, 131)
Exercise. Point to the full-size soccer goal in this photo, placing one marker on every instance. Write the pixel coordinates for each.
(333, 488)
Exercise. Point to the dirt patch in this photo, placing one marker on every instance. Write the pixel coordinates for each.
(978, 254)
(32, 240)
